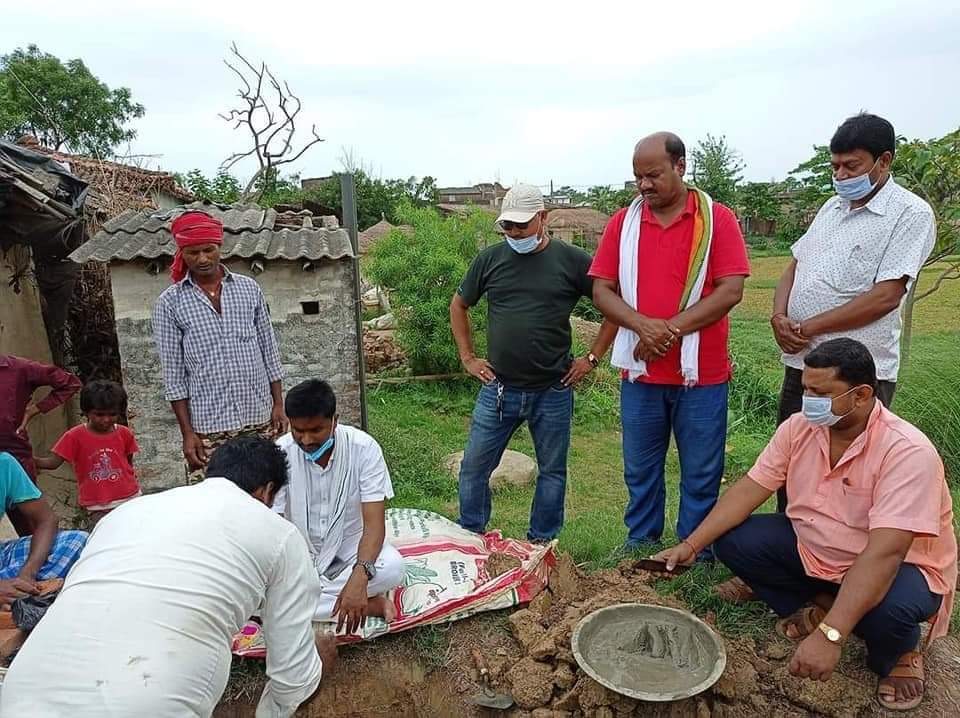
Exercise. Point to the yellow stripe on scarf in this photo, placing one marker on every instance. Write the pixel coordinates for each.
(698, 250)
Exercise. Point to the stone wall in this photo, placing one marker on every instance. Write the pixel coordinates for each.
(313, 316)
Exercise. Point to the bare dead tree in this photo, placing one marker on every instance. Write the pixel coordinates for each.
(272, 126)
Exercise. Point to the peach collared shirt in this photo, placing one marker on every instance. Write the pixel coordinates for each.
(891, 476)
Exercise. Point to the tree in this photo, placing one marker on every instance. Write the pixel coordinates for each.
(606, 200)
(758, 200)
(422, 272)
(224, 188)
(272, 126)
(377, 198)
(717, 169)
(931, 169)
(63, 105)
(806, 188)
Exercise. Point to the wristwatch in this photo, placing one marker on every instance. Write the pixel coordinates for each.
(592, 358)
(832, 634)
(368, 568)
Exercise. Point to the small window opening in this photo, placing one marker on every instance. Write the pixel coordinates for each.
(310, 307)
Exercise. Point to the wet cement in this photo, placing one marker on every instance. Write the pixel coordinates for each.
(645, 652)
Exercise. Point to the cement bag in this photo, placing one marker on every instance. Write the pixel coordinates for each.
(447, 576)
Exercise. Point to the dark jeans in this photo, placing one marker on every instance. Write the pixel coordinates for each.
(548, 414)
(791, 401)
(697, 417)
(763, 552)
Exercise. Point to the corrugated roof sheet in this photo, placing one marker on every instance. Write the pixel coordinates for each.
(248, 232)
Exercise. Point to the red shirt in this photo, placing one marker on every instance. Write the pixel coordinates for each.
(663, 257)
(104, 473)
(19, 378)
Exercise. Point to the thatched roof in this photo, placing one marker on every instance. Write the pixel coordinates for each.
(369, 237)
(115, 187)
(249, 231)
(585, 219)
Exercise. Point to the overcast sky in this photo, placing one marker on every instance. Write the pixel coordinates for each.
(516, 90)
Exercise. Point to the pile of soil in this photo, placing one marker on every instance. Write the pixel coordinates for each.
(529, 655)
(381, 350)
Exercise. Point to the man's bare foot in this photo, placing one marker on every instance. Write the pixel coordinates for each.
(327, 648)
(380, 607)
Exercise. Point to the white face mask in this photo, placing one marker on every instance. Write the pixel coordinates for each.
(854, 188)
(524, 245)
(818, 410)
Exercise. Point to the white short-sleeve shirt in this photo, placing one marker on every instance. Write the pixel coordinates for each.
(846, 251)
(374, 485)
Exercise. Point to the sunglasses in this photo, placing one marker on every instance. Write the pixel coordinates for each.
(508, 225)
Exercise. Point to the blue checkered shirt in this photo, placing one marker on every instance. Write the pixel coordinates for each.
(223, 363)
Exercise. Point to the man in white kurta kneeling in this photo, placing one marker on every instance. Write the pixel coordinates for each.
(339, 484)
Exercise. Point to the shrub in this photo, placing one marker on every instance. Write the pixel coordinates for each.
(422, 271)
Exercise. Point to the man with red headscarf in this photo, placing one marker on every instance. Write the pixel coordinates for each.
(219, 354)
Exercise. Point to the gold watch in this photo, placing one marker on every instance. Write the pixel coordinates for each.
(832, 634)
(592, 358)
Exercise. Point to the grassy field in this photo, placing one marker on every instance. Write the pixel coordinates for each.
(420, 424)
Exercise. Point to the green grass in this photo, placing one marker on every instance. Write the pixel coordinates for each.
(420, 424)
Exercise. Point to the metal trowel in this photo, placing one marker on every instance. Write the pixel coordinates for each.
(487, 697)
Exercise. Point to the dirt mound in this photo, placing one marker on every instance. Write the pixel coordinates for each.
(381, 350)
(431, 672)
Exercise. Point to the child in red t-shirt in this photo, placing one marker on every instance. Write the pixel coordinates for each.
(100, 451)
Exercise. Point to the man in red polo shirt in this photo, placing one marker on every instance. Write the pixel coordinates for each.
(687, 261)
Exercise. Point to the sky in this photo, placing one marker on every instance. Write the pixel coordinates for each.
(514, 91)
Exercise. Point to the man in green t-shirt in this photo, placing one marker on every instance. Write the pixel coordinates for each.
(532, 284)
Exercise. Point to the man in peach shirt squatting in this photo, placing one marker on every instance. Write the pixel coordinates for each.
(866, 545)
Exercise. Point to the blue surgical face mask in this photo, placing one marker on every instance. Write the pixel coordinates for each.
(818, 410)
(323, 448)
(524, 245)
(855, 188)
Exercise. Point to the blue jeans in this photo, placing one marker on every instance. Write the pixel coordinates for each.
(697, 416)
(548, 413)
(763, 552)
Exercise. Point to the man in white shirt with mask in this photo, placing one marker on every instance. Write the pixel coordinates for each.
(855, 264)
(339, 484)
(144, 622)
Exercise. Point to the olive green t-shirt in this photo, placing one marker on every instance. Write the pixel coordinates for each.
(529, 301)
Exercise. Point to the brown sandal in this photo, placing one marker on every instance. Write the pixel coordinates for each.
(804, 621)
(734, 591)
(910, 665)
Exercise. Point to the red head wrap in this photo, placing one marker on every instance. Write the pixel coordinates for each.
(189, 230)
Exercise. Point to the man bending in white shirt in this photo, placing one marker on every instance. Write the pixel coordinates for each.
(144, 622)
(339, 484)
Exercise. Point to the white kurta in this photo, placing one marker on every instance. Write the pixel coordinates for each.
(145, 619)
(373, 485)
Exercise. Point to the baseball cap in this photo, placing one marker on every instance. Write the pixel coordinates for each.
(521, 203)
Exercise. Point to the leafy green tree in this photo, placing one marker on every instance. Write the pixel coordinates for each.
(377, 198)
(422, 272)
(606, 200)
(63, 105)
(224, 188)
(759, 200)
(717, 169)
(805, 190)
(931, 169)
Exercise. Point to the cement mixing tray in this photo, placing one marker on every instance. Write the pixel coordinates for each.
(651, 653)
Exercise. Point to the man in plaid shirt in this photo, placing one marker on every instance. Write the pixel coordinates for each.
(219, 355)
